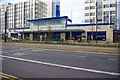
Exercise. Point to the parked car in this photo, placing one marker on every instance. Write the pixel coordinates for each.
(15, 39)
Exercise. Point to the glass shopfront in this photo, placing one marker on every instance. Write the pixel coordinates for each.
(99, 35)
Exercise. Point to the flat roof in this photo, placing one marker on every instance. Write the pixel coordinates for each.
(89, 24)
(50, 18)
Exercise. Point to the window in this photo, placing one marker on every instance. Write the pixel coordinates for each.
(99, 6)
(92, 1)
(112, 12)
(86, 14)
(99, 13)
(86, 8)
(106, 6)
(92, 7)
(112, 16)
(92, 20)
(106, 0)
(112, 5)
(87, 20)
(106, 12)
(92, 14)
(86, 2)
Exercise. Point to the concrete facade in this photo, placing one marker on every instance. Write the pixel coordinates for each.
(119, 15)
(107, 28)
(100, 11)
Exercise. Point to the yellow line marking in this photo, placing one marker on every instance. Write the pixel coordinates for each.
(10, 76)
(4, 77)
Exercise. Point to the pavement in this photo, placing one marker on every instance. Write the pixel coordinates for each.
(28, 62)
(113, 50)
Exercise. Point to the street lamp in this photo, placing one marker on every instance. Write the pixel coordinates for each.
(92, 34)
(96, 19)
(38, 32)
(93, 20)
(5, 35)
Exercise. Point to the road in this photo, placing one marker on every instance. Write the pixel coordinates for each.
(50, 63)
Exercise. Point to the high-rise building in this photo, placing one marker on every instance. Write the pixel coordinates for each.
(19, 13)
(119, 14)
(53, 8)
(3, 9)
(100, 11)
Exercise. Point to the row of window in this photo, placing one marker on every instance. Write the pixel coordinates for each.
(100, 13)
(100, 6)
(91, 14)
(91, 1)
(99, 20)
(91, 7)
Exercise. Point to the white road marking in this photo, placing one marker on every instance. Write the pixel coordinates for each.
(70, 55)
(112, 59)
(81, 51)
(76, 51)
(53, 49)
(81, 56)
(62, 66)
(97, 53)
(22, 49)
(19, 54)
(37, 50)
(4, 52)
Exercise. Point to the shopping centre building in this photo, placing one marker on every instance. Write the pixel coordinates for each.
(58, 29)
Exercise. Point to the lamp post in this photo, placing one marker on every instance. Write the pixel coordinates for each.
(96, 19)
(92, 34)
(116, 15)
(5, 35)
(92, 28)
(23, 32)
(38, 32)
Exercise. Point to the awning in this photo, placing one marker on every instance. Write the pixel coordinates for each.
(98, 32)
(19, 28)
(67, 30)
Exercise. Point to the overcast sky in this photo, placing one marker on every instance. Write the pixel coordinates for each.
(72, 8)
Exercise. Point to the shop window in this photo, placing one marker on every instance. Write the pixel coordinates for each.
(101, 36)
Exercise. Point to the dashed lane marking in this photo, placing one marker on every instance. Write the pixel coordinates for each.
(18, 54)
(36, 50)
(112, 59)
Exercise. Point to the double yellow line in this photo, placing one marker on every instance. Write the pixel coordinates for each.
(9, 77)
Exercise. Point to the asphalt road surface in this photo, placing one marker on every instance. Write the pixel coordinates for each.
(48, 63)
